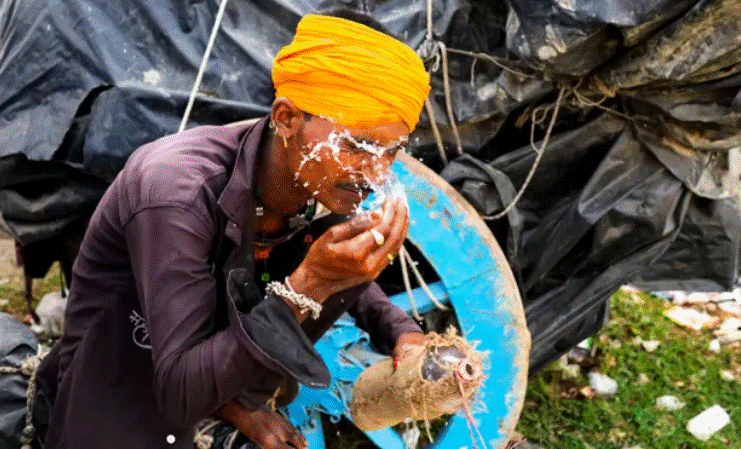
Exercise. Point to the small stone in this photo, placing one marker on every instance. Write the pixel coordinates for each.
(4, 302)
(650, 345)
(602, 385)
(587, 392)
(669, 403)
(643, 379)
(727, 375)
(616, 344)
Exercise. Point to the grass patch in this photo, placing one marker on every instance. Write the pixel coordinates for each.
(557, 415)
(14, 291)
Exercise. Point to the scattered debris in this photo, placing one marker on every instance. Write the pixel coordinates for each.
(630, 289)
(727, 337)
(603, 386)
(731, 308)
(692, 318)
(729, 324)
(4, 281)
(650, 345)
(704, 425)
(588, 392)
(714, 346)
(51, 313)
(728, 375)
(4, 302)
(669, 403)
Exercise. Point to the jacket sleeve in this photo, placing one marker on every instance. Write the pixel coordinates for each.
(197, 369)
(375, 314)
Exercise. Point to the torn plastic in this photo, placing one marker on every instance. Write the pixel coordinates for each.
(573, 37)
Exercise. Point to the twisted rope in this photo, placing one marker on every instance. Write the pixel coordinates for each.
(29, 368)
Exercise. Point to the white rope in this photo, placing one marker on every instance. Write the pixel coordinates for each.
(407, 284)
(405, 254)
(539, 155)
(204, 62)
(435, 131)
(448, 101)
(29, 368)
(429, 20)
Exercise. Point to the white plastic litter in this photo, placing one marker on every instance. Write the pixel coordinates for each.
(602, 385)
(650, 345)
(704, 425)
(714, 345)
(51, 313)
(691, 318)
(669, 403)
(728, 375)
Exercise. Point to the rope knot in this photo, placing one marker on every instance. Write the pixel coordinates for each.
(31, 365)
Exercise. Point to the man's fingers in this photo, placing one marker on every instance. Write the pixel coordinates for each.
(352, 228)
(297, 439)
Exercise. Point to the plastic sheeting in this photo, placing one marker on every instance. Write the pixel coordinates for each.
(602, 211)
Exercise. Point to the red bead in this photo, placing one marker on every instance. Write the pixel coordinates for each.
(308, 238)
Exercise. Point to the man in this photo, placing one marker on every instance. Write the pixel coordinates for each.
(165, 324)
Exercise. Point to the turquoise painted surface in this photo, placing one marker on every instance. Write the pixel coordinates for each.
(472, 282)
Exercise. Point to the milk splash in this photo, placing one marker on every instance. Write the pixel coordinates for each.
(390, 189)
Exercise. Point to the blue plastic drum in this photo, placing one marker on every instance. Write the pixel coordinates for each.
(476, 281)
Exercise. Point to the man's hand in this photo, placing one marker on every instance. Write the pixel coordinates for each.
(405, 340)
(267, 429)
(349, 254)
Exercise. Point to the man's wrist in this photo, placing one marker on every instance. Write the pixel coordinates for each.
(306, 284)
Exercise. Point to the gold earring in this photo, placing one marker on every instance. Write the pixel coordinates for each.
(271, 125)
(285, 141)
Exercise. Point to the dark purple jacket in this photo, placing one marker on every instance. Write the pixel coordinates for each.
(164, 323)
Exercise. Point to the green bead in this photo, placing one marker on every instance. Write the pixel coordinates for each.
(265, 277)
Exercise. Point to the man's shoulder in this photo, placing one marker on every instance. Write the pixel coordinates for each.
(178, 168)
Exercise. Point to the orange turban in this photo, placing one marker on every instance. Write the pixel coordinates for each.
(351, 73)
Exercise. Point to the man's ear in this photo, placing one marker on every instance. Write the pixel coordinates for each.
(287, 117)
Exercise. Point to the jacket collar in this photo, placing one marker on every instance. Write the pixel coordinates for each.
(236, 199)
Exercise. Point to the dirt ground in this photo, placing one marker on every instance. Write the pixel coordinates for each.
(10, 273)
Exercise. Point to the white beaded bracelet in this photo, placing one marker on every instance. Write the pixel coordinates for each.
(286, 291)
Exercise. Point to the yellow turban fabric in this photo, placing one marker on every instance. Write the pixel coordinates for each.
(351, 73)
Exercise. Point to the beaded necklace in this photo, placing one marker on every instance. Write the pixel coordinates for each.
(298, 222)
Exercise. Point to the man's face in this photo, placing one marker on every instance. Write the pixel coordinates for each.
(339, 165)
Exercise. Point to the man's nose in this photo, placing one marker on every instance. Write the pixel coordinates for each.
(377, 170)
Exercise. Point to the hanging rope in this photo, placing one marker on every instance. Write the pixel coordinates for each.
(436, 131)
(448, 101)
(404, 253)
(493, 60)
(204, 62)
(407, 284)
(539, 151)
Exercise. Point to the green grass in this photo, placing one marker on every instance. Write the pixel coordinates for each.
(557, 416)
(14, 292)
